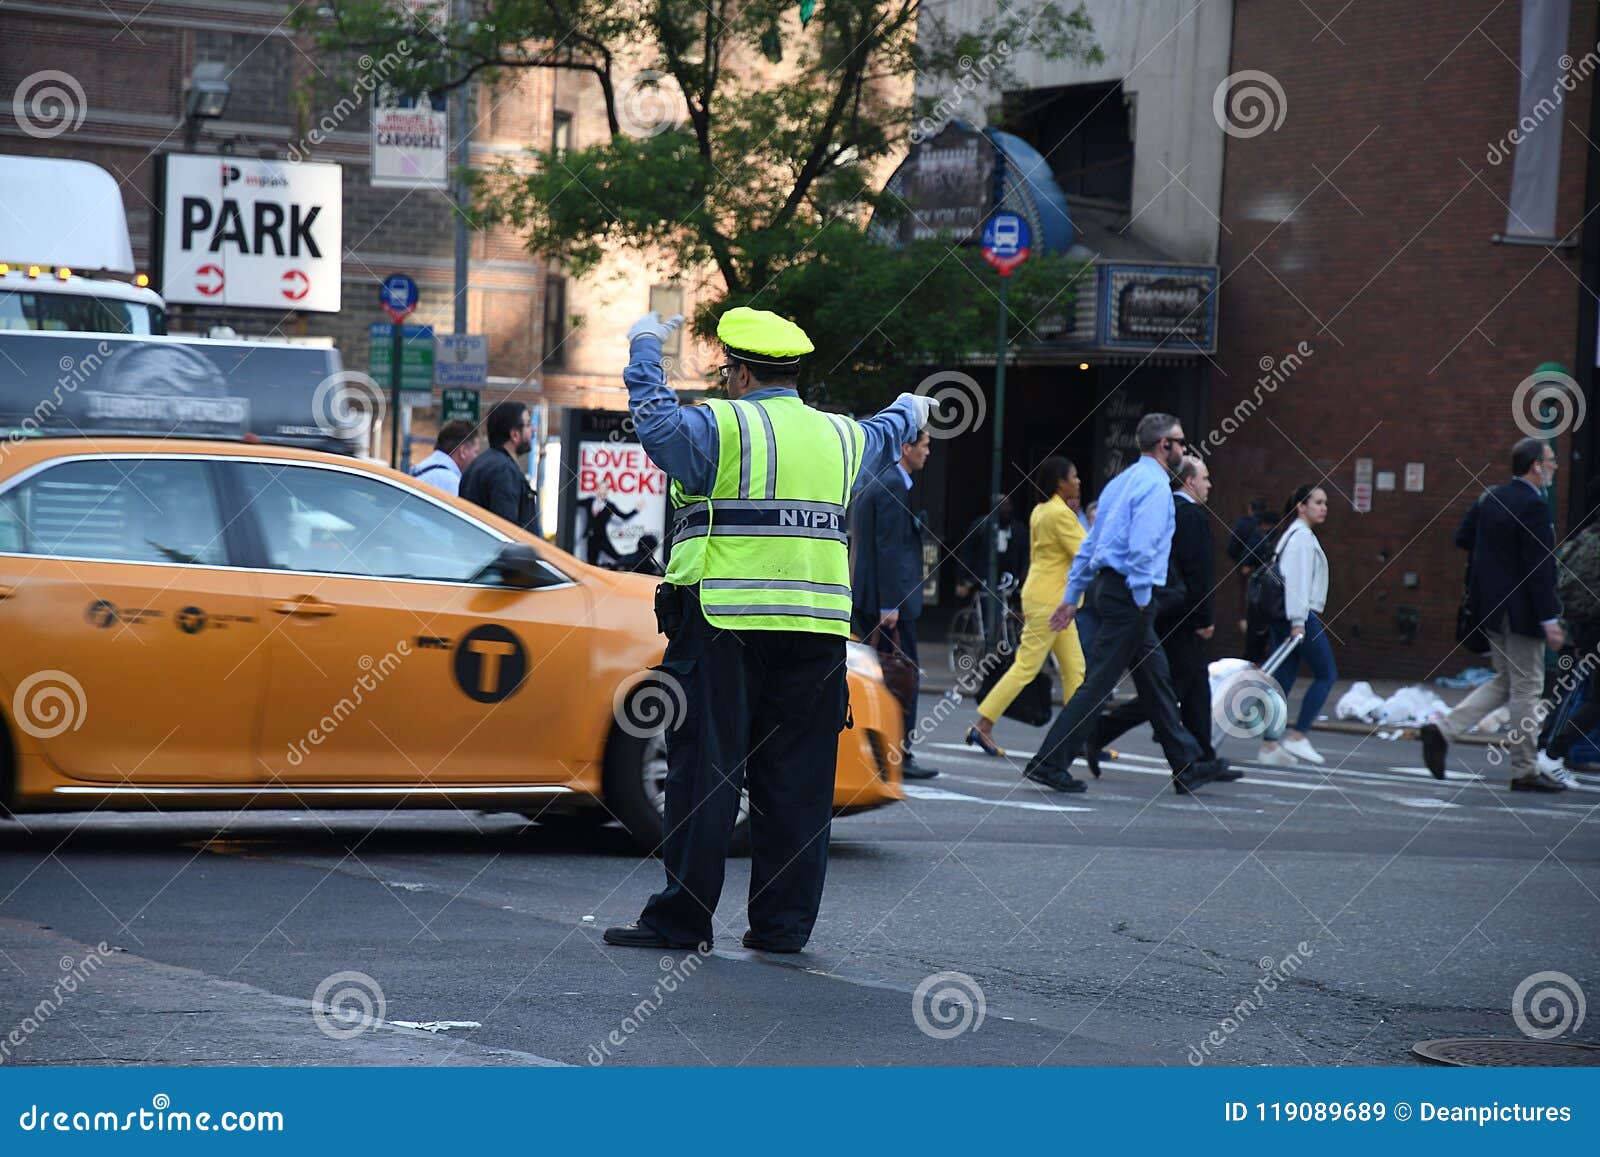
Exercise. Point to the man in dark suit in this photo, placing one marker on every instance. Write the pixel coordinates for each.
(1513, 592)
(1185, 624)
(494, 480)
(886, 581)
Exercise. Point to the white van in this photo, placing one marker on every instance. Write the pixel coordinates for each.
(66, 262)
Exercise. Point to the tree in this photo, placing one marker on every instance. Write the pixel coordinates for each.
(753, 141)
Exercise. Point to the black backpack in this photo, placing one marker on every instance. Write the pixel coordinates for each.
(1265, 593)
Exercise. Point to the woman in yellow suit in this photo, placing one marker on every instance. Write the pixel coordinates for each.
(1054, 536)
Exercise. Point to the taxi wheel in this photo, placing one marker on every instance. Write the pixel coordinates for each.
(635, 786)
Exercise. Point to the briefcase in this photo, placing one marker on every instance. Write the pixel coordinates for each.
(899, 672)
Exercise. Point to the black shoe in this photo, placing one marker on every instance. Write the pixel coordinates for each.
(757, 944)
(1228, 774)
(1055, 778)
(911, 769)
(1197, 773)
(1538, 781)
(1434, 745)
(1091, 756)
(637, 935)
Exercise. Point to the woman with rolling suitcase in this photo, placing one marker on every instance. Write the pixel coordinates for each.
(1304, 568)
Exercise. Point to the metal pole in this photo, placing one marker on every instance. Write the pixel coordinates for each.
(460, 110)
(999, 430)
(397, 351)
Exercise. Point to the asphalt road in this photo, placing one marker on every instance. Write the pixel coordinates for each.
(1296, 917)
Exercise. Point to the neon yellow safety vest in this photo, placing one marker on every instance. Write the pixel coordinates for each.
(767, 546)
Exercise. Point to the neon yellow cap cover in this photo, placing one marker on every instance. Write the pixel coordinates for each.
(759, 335)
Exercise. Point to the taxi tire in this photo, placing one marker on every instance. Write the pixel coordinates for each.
(622, 785)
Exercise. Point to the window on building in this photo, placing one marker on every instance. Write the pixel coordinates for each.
(668, 300)
(1085, 131)
(555, 321)
(561, 133)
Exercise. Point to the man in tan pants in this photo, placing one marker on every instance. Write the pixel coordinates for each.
(1513, 594)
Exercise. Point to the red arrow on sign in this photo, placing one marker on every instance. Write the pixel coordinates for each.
(209, 288)
(296, 285)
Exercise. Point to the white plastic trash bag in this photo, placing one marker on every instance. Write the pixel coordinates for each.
(1412, 707)
(1361, 702)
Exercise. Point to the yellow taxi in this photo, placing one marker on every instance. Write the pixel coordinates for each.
(218, 624)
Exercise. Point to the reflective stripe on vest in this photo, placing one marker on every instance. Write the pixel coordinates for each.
(767, 546)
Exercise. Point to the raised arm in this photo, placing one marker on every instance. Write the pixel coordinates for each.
(680, 439)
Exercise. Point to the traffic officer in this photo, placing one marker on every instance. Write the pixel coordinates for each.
(756, 609)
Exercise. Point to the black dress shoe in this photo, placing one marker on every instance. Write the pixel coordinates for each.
(1228, 774)
(1197, 773)
(757, 944)
(1538, 781)
(1434, 745)
(1055, 778)
(911, 769)
(637, 935)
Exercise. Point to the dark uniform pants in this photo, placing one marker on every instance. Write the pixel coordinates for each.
(763, 708)
(1125, 641)
(1191, 682)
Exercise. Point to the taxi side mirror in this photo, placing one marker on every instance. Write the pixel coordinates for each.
(519, 565)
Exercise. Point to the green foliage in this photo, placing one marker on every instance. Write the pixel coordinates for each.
(717, 159)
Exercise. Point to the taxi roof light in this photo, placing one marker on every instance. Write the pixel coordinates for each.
(33, 271)
(142, 280)
(63, 273)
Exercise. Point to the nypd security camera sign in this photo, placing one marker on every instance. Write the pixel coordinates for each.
(257, 233)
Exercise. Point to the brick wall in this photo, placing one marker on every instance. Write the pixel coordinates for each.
(1420, 327)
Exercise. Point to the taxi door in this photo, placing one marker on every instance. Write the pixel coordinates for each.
(130, 648)
(389, 660)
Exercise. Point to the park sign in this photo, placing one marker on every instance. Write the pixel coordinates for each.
(239, 232)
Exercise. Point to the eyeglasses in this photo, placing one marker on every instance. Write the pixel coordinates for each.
(724, 371)
(1184, 442)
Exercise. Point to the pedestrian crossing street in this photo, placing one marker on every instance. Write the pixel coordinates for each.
(1136, 782)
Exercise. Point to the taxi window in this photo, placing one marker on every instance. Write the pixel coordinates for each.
(337, 522)
(117, 509)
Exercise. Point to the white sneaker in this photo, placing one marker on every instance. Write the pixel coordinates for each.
(1302, 749)
(1277, 757)
(1555, 769)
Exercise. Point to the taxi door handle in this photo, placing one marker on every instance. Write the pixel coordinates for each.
(305, 605)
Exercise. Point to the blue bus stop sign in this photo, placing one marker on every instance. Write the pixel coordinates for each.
(398, 296)
(1006, 239)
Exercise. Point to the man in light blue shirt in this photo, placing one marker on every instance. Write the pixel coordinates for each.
(1118, 567)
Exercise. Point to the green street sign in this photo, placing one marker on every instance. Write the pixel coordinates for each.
(458, 403)
(416, 357)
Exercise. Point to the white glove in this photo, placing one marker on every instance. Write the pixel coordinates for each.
(652, 325)
(922, 404)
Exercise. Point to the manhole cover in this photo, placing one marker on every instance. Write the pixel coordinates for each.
(1489, 1052)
